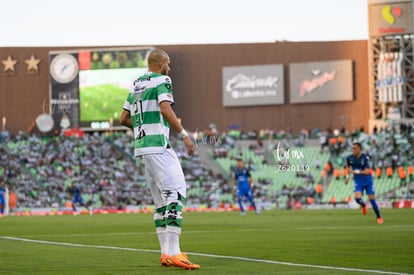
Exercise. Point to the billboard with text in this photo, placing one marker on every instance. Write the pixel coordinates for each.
(253, 85)
(321, 81)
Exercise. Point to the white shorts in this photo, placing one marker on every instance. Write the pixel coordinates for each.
(165, 177)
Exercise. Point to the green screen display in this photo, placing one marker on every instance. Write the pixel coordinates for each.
(102, 93)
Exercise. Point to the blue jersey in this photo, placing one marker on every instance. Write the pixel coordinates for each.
(75, 191)
(2, 192)
(362, 182)
(242, 176)
(360, 164)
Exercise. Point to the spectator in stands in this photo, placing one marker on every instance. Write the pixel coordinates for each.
(332, 201)
(329, 168)
(375, 130)
(410, 171)
(318, 190)
(378, 172)
(332, 144)
(344, 171)
(324, 176)
(318, 163)
(336, 173)
(309, 178)
(323, 140)
(389, 171)
(12, 201)
(403, 176)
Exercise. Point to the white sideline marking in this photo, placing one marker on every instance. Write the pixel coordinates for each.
(138, 233)
(204, 255)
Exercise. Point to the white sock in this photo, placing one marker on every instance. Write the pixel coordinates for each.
(173, 243)
(162, 237)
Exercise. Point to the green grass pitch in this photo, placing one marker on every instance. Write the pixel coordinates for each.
(102, 102)
(275, 242)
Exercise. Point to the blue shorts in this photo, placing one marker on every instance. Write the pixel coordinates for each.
(77, 200)
(1, 200)
(368, 186)
(246, 193)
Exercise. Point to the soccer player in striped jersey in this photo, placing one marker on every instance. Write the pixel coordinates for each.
(147, 110)
(358, 165)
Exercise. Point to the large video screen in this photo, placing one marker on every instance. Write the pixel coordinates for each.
(105, 79)
(102, 93)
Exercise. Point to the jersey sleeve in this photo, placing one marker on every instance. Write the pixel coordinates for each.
(165, 91)
(366, 162)
(127, 105)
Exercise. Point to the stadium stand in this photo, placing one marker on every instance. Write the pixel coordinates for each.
(286, 168)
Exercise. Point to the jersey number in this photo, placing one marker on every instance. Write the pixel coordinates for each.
(137, 106)
(139, 118)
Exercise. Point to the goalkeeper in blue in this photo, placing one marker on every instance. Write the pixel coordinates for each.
(243, 183)
(358, 165)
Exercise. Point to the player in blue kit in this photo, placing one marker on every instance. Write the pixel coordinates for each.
(243, 183)
(358, 165)
(77, 199)
(2, 199)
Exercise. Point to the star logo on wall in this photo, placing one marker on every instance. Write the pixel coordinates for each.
(9, 64)
(32, 64)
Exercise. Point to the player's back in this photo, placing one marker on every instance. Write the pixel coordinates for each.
(151, 130)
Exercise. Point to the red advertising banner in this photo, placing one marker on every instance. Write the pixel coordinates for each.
(84, 59)
(404, 204)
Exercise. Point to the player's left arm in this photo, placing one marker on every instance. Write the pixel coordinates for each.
(349, 170)
(169, 114)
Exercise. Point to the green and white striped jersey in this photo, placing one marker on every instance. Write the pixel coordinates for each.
(151, 130)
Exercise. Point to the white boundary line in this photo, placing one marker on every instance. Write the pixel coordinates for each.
(137, 233)
(204, 255)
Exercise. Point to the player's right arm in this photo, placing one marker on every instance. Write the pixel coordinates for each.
(234, 183)
(125, 119)
(349, 170)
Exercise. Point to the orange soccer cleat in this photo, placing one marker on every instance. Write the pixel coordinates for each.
(181, 261)
(164, 261)
(364, 210)
(380, 220)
